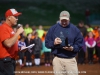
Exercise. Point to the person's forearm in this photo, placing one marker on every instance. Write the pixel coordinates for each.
(11, 41)
(88, 45)
(49, 44)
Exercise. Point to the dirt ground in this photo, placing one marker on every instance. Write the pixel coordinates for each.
(85, 69)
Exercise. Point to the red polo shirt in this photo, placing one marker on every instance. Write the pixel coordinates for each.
(7, 32)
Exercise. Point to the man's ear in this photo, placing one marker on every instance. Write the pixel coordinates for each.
(8, 17)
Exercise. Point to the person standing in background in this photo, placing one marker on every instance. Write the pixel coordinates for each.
(9, 42)
(98, 45)
(65, 40)
(82, 28)
(96, 34)
(46, 51)
(21, 44)
(90, 43)
(37, 49)
(89, 28)
(28, 53)
(40, 31)
(27, 29)
(33, 31)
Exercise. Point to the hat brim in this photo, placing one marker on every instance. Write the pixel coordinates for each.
(61, 18)
(17, 14)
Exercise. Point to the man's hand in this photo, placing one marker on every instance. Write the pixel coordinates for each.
(57, 41)
(20, 30)
(68, 48)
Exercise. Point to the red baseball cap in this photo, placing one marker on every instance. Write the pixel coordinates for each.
(12, 12)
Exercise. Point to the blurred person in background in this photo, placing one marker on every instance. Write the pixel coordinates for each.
(37, 49)
(9, 42)
(21, 43)
(46, 51)
(82, 28)
(40, 31)
(89, 28)
(33, 31)
(98, 45)
(28, 53)
(96, 34)
(90, 43)
(27, 29)
(95, 31)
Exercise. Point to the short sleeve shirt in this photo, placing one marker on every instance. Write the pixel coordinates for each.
(7, 32)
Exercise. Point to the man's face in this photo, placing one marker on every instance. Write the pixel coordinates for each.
(13, 20)
(64, 22)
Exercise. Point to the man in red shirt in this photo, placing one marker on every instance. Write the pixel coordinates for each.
(9, 42)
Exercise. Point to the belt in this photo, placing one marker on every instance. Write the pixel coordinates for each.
(6, 59)
(63, 57)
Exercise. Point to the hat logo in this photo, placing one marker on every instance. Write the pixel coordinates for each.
(64, 15)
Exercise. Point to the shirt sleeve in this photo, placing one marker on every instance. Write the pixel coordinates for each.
(94, 44)
(49, 42)
(87, 44)
(78, 42)
(4, 34)
(24, 44)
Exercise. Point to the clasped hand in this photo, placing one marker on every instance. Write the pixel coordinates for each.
(68, 48)
(57, 41)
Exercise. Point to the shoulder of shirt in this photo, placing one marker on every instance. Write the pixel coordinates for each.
(53, 27)
(57, 25)
(3, 27)
(74, 27)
